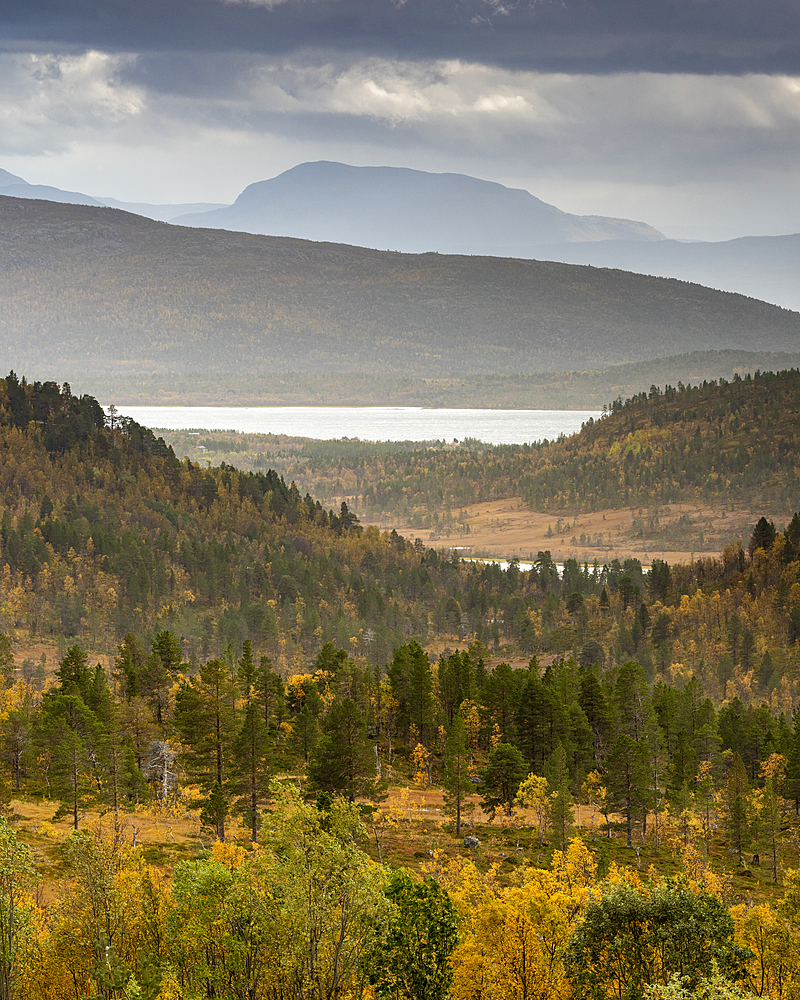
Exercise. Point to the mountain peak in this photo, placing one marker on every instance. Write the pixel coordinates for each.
(398, 208)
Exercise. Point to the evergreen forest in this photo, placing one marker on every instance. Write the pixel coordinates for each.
(254, 749)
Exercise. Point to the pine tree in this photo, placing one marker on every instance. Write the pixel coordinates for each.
(7, 665)
(501, 778)
(269, 693)
(737, 803)
(251, 753)
(205, 720)
(562, 816)
(343, 761)
(793, 763)
(247, 668)
(456, 779)
(70, 736)
(628, 780)
(305, 731)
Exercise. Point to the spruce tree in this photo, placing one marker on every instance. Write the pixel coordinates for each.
(456, 779)
(343, 762)
(562, 816)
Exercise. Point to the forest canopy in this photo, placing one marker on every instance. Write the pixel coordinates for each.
(229, 656)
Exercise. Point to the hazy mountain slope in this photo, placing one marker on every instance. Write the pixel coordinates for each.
(7, 178)
(161, 213)
(106, 289)
(43, 192)
(764, 267)
(586, 389)
(408, 210)
(413, 211)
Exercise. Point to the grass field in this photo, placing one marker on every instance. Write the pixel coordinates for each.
(410, 829)
(676, 532)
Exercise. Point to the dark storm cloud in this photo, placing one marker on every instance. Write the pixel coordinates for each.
(603, 36)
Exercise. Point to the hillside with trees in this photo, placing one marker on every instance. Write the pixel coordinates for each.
(544, 391)
(251, 673)
(96, 290)
(726, 442)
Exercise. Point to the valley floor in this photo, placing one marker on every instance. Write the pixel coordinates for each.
(675, 533)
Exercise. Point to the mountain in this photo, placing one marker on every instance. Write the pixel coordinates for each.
(764, 267)
(411, 211)
(15, 187)
(12, 186)
(161, 213)
(98, 289)
(7, 179)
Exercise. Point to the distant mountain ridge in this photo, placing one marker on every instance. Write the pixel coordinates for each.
(12, 186)
(411, 211)
(15, 187)
(111, 291)
(160, 213)
(762, 267)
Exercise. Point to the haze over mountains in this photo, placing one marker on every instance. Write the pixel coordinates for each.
(394, 208)
(763, 267)
(16, 187)
(97, 289)
(416, 212)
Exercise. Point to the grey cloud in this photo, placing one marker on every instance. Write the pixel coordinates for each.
(588, 36)
(46, 100)
(631, 128)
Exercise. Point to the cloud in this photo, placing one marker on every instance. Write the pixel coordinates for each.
(607, 96)
(636, 127)
(571, 36)
(46, 100)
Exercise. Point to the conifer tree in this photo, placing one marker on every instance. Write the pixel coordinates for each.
(628, 780)
(737, 804)
(501, 778)
(343, 761)
(7, 666)
(69, 736)
(251, 754)
(562, 815)
(456, 778)
(269, 693)
(205, 720)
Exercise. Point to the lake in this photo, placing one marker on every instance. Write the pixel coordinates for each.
(369, 423)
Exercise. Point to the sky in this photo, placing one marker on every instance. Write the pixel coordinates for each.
(681, 113)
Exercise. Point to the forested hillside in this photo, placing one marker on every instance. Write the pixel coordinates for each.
(104, 531)
(545, 391)
(724, 442)
(98, 290)
(214, 630)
